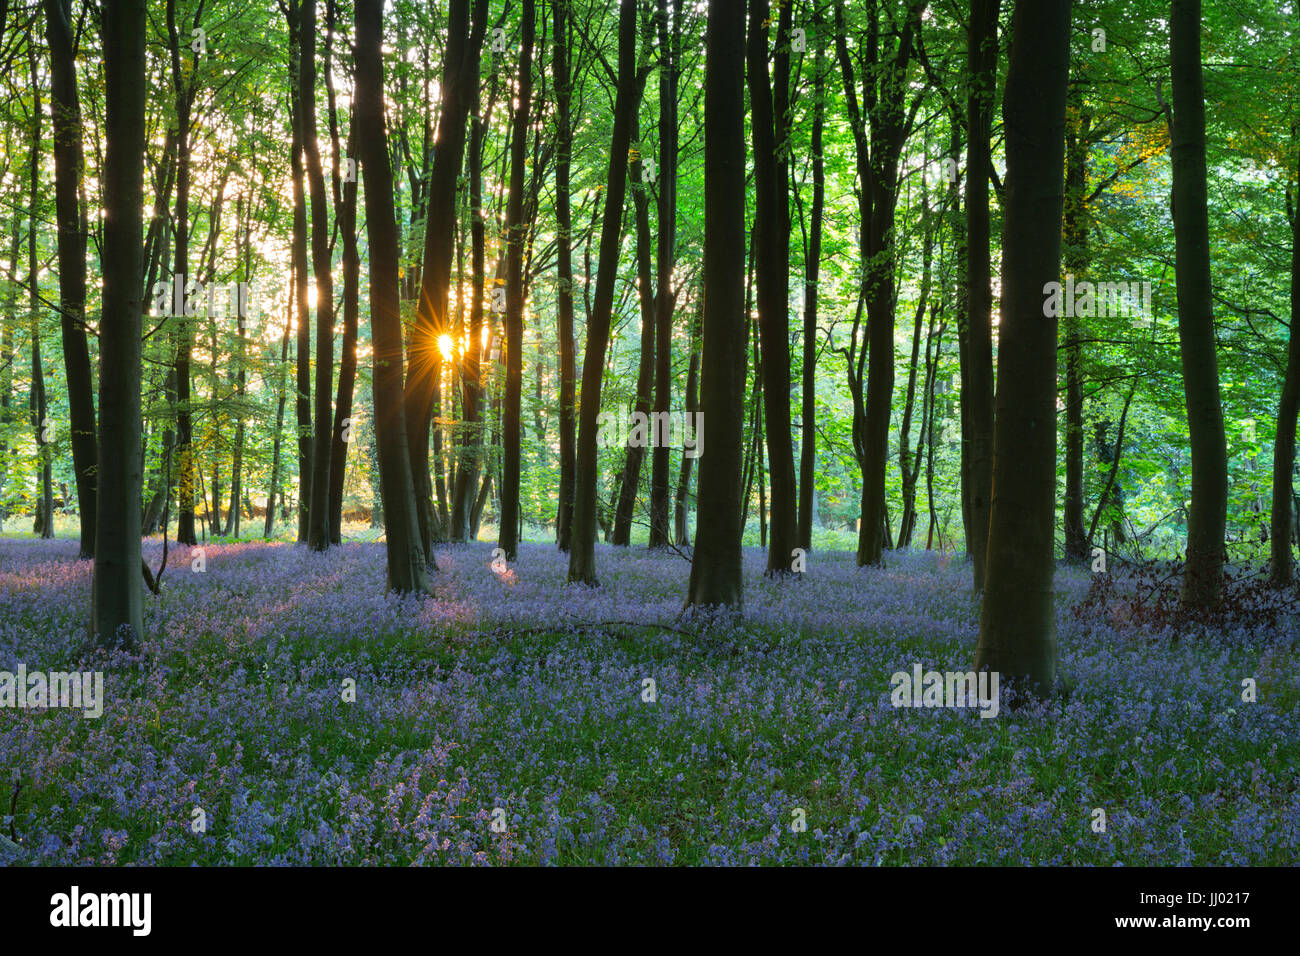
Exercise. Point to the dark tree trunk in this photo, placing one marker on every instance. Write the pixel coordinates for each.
(184, 98)
(269, 523)
(318, 537)
(681, 506)
(516, 230)
(564, 273)
(582, 553)
(1207, 519)
(345, 198)
(66, 113)
(423, 382)
(769, 122)
(117, 616)
(1018, 624)
(467, 476)
(812, 276)
(43, 523)
(880, 128)
(982, 65)
(665, 295)
(1282, 571)
(634, 452)
(302, 405)
(1076, 262)
(716, 564)
(909, 467)
(406, 558)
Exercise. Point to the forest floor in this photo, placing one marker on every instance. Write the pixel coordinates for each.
(510, 719)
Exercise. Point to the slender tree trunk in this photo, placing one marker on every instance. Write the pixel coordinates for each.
(467, 476)
(665, 295)
(1076, 262)
(681, 508)
(41, 425)
(564, 273)
(302, 405)
(318, 538)
(405, 551)
(1017, 636)
(1282, 570)
(634, 452)
(66, 113)
(269, 523)
(769, 124)
(1207, 519)
(184, 98)
(459, 90)
(582, 553)
(117, 602)
(716, 564)
(516, 229)
(909, 469)
(978, 389)
(812, 278)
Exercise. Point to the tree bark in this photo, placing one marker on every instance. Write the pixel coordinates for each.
(978, 388)
(117, 616)
(1282, 567)
(516, 229)
(812, 278)
(66, 113)
(1017, 637)
(405, 551)
(582, 553)
(716, 564)
(769, 107)
(1207, 518)
(665, 295)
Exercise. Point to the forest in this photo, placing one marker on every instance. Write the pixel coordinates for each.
(640, 431)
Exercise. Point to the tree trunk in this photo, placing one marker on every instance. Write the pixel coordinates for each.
(1017, 636)
(982, 66)
(665, 296)
(269, 523)
(1207, 519)
(630, 482)
(812, 277)
(318, 538)
(117, 616)
(459, 89)
(467, 476)
(1077, 544)
(681, 508)
(302, 405)
(184, 99)
(716, 564)
(564, 273)
(405, 551)
(582, 553)
(508, 529)
(1282, 570)
(769, 122)
(66, 113)
(41, 426)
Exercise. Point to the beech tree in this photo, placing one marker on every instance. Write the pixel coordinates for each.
(716, 562)
(1017, 637)
(117, 615)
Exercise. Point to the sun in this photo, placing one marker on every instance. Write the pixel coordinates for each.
(446, 346)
